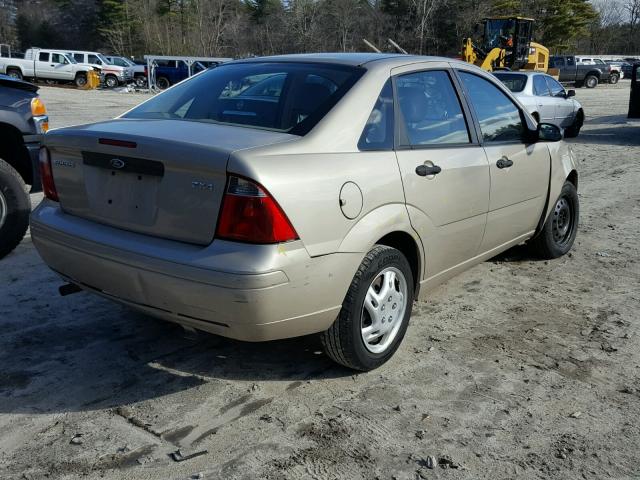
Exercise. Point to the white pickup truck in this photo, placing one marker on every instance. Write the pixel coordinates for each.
(46, 64)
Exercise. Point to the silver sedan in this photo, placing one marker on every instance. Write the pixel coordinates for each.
(546, 99)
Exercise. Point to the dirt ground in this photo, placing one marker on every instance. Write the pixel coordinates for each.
(517, 368)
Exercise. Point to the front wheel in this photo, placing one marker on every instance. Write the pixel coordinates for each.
(141, 81)
(375, 313)
(560, 229)
(15, 206)
(81, 80)
(110, 81)
(574, 130)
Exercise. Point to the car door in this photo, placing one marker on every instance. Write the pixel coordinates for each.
(62, 68)
(44, 67)
(444, 169)
(519, 172)
(546, 104)
(564, 106)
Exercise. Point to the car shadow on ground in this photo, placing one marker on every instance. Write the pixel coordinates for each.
(607, 130)
(104, 356)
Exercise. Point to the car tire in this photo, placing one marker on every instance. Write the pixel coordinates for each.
(162, 83)
(111, 81)
(559, 231)
(574, 130)
(81, 80)
(614, 78)
(14, 73)
(140, 81)
(354, 340)
(591, 81)
(15, 206)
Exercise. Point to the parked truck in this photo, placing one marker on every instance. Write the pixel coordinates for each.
(23, 120)
(570, 71)
(46, 64)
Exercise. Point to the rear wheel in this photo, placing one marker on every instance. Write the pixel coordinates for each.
(15, 207)
(81, 80)
(163, 83)
(15, 73)
(560, 229)
(140, 81)
(375, 313)
(613, 79)
(591, 81)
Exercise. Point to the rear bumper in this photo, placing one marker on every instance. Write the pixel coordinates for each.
(247, 292)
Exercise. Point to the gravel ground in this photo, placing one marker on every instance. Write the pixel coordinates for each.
(515, 369)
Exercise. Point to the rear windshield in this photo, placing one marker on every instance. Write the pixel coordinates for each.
(286, 97)
(515, 83)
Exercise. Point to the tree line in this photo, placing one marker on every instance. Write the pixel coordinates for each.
(240, 28)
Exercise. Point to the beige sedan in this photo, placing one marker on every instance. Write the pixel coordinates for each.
(283, 196)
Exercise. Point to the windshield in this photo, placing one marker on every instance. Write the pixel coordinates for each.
(515, 83)
(286, 97)
(498, 32)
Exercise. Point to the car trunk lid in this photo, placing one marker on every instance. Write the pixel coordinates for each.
(164, 178)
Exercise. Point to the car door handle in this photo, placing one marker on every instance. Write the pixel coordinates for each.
(504, 162)
(425, 171)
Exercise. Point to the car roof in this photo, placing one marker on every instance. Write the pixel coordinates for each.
(350, 59)
(528, 73)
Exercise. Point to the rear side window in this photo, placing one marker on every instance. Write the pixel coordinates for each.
(515, 83)
(430, 109)
(287, 97)
(78, 57)
(571, 61)
(43, 57)
(498, 116)
(378, 132)
(540, 87)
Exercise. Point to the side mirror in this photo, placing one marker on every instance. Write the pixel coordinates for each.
(548, 132)
(571, 93)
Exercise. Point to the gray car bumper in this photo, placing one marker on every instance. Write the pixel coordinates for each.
(247, 292)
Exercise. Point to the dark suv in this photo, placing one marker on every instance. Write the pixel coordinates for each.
(23, 120)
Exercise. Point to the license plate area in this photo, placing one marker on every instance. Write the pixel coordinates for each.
(122, 189)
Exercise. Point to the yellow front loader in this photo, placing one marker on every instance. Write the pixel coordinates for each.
(505, 43)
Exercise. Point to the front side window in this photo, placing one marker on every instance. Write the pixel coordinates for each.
(57, 58)
(378, 132)
(94, 60)
(499, 118)
(540, 87)
(431, 109)
(287, 97)
(557, 90)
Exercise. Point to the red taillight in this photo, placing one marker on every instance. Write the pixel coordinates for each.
(46, 175)
(250, 214)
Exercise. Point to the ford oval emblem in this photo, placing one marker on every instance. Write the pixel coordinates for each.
(117, 163)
